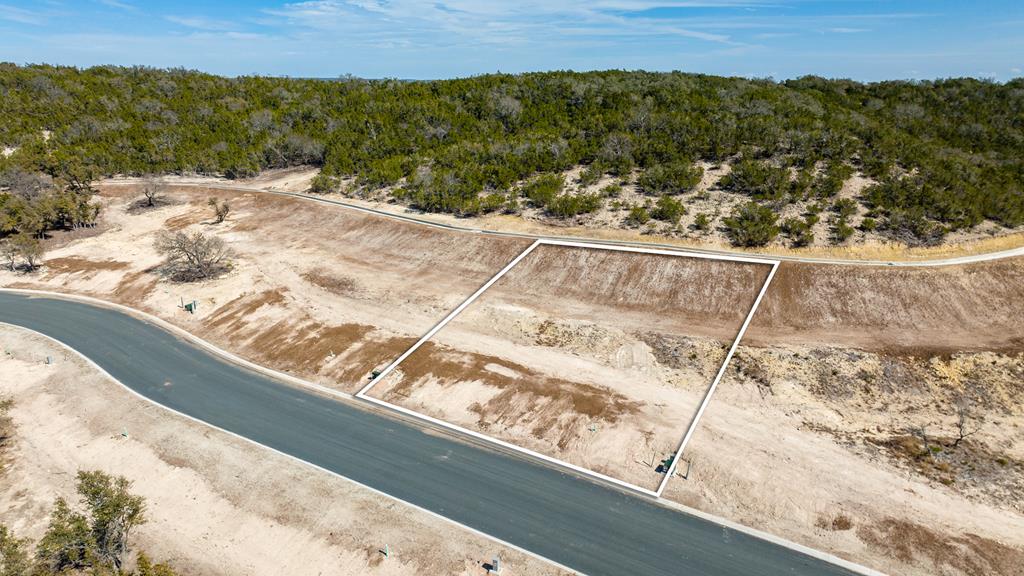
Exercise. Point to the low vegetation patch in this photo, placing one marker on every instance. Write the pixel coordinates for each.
(6, 430)
(837, 523)
(967, 554)
(89, 537)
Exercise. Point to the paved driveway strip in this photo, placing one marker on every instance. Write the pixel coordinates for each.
(589, 527)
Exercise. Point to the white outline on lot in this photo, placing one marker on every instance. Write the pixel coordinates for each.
(362, 394)
(300, 460)
(287, 378)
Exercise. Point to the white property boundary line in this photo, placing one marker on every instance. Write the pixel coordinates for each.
(721, 521)
(714, 384)
(362, 394)
(373, 490)
(184, 335)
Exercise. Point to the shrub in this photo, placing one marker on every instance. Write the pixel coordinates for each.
(831, 180)
(799, 231)
(673, 178)
(566, 205)
(323, 184)
(845, 207)
(493, 201)
(913, 228)
(759, 180)
(220, 209)
(612, 190)
(637, 216)
(14, 558)
(842, 230)
(668, 209)
(751, 225)
(591, 174)
(543, 189)
(702, 222)
(384, 172)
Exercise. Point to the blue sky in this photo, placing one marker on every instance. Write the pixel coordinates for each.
(863, 40)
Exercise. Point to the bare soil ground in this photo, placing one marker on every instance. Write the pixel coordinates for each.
(326, 294)
(561, 355)
(815, 429)
(922, 311)
(715, 203)
(822, 445)
(216, 505)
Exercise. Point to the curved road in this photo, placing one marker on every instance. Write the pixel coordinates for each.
(1010, 253)
(586, 526)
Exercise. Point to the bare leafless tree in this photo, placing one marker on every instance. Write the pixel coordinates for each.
(967, 421)
(151, 195)
(193, 256)
(220, 209)
(921, 432)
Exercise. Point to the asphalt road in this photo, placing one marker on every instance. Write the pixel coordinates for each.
(589, 527)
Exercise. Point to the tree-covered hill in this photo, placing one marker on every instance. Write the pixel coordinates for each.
(943, 155)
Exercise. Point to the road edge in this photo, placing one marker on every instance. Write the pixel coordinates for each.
(373, 490)
(195, 340)
(923, 263)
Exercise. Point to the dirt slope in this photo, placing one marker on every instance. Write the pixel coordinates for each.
(840, 368)
(560, 355)
(216, 505)
(325, 293)
(901, 310)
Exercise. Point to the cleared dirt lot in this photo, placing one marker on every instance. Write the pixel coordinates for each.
(839, 367)
(560, 355)
(326, 294)
(919, 311)
(216, 504)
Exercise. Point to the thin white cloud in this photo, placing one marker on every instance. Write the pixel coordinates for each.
(411, 22)
(20, 15)
(119, 5)
(844, 30)
(202, 23)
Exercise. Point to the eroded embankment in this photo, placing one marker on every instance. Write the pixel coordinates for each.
(636, 291)
(322, 292)
(918, 311)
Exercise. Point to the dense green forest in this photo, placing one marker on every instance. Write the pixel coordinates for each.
(945, 155)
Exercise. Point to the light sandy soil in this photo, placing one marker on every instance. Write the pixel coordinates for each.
(608, 222)
(810, 444)
(839, 364)
(556, 356)
(296, 179)
(919, 311)
(215, 504)
(707, 199)
(325, 294)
